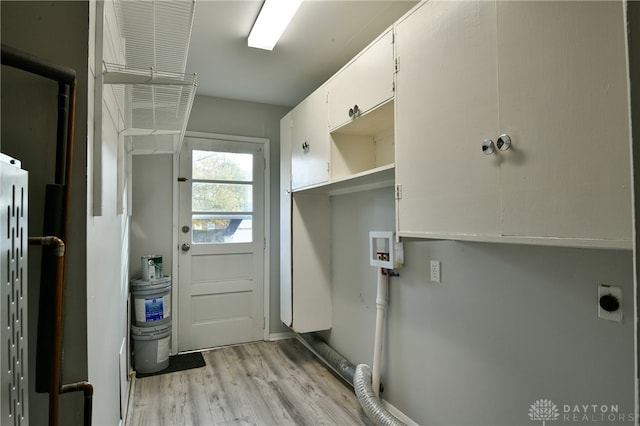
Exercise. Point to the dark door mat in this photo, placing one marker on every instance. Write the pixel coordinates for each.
(179, 362)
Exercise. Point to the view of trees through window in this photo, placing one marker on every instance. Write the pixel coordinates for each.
(221, 194)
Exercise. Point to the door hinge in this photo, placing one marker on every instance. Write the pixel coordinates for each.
(264, 322)
(328, 167)
(393, 86)
(265, 163)
(182, 179)
(264, 240)
(398, 191)
(397, 64)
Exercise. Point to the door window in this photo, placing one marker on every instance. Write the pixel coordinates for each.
(222, 197)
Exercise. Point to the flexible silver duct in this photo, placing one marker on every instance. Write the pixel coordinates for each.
(369, 402)
(359, 378)
(337, 362)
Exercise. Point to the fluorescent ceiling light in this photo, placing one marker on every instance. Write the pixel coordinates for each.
(272, 20)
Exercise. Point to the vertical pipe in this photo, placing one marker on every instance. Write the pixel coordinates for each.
(56, 358)
(381, 304)
(54, 383)
(61, 133)
(87, 389)
(64, 166)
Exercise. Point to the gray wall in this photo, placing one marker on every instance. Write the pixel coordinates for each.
(508, 324)
(151, 208)
(231, 117)
(57, 31)
(151, 222)
(633, 17)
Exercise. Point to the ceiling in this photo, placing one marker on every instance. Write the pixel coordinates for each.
(323, 36)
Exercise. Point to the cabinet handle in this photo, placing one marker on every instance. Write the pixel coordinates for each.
(354, 112)
(504, 142)
(305, 146)
(488, 147)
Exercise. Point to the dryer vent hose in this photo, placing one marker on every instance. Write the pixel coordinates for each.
(369, 402)
(359, 377)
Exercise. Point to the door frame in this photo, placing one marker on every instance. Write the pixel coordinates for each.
(266, 282)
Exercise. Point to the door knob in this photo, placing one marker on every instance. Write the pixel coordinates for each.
(488, 147)
(504, 142)
(186, 247)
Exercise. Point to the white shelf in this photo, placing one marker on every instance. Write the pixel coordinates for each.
(156, 33)
(380, 177)
(378, 120)
(122, 74)
(155, 95)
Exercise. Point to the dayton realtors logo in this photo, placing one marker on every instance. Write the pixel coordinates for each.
(545, 410)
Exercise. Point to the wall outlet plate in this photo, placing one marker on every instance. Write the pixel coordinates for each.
(616, 292)
(435, 271)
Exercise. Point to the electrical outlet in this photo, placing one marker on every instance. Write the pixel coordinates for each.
(610, 303)
(435, 271)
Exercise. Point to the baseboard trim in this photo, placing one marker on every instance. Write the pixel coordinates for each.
(281, 336)
(398, 414)
(130, 402)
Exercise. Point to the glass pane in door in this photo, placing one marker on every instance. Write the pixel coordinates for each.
(222, 197)
(230, 166)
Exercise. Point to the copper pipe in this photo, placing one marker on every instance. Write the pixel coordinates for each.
(87, 389)
(49, 241)
(55, 385)
(56, 358)
(64, 76)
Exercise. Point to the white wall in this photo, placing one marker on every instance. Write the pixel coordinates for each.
(56, 31)
(508, 324)
(107, 252)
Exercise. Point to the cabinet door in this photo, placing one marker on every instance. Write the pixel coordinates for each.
(446, 105)
(310, 141)
(563, 100)
(286, 308)
(366, 82)
(311, 246)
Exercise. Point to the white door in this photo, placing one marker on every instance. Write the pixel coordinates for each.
(221, 243)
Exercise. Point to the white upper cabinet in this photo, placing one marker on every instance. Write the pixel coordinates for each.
(563, 98)
(446, 105)
(552, 76)
(310, 141)
(364, 83)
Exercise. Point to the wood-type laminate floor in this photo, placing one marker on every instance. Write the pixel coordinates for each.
(262, 383)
